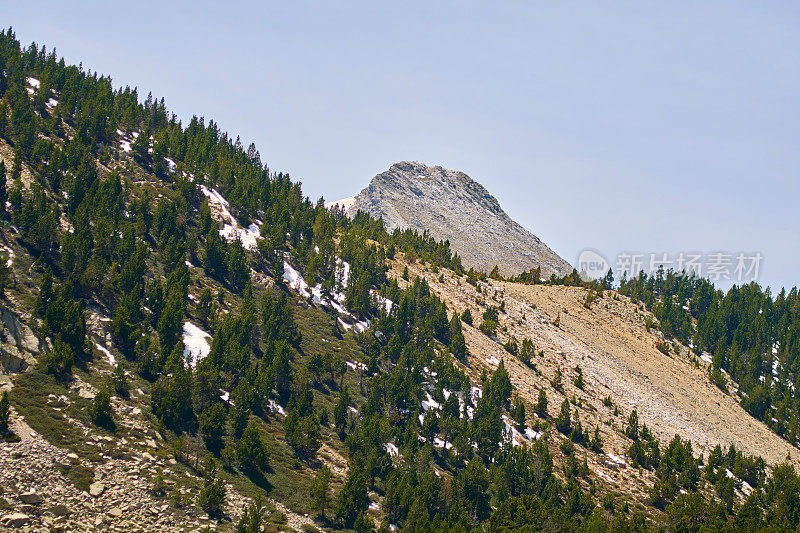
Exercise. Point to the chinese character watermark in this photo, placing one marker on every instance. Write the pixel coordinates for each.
(738, 267)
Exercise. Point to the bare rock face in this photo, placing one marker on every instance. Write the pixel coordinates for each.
(19, 346)
(451, 206)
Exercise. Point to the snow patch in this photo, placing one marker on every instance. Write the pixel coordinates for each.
(342, 274)
(384, 302)
(361, 326)
(354, 366)
(196, 345)
(231, 230)
(275, 406)
(9, 255)
(616, 459)
(391, 449)
(430, 403)
(439, 443)
(111, 359)
(295, 281)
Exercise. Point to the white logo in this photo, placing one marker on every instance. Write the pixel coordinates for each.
(592, 265)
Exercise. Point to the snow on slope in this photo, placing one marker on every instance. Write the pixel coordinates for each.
(231, 230)
(196, 343)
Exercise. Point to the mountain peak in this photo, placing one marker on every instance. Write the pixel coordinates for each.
(452, 206)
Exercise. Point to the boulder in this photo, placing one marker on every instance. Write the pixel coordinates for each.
(96, 489)
(15, 520)
(31, 497)
(60, 510)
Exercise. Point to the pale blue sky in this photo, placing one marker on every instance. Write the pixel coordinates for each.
(660, 127)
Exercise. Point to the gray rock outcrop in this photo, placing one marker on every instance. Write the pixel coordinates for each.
(452, 206)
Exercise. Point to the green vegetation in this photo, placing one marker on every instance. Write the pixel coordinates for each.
(133, 234)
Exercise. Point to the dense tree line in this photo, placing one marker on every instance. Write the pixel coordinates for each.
(752, 336)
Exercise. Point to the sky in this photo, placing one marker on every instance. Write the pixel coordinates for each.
(617, 126)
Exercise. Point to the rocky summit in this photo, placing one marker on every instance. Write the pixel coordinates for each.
(452, 206)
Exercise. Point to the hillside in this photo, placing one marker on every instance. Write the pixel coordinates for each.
(190, 343)
(450, 206)
(619, 358)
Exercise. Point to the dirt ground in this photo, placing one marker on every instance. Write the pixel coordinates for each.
(619, 359)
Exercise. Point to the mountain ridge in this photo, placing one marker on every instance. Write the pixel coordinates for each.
(452, 206)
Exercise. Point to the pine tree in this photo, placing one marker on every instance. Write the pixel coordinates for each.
(100, 410)
(3, 190)
(564, 418)
(4, 412)
(212, 498)
(212, 426)
(204, 306)
(251, 451)
(340, 411)
(541, 404)
(632, 429)
(120, 381)
(319, 490)
(353, 499)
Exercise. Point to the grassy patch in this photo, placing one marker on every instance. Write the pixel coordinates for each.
(79, 475)
(31, 390)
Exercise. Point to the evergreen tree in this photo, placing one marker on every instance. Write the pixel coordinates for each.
(319, 490)
(212, 426)
(100, 410)
(340, 411)
(541, 404)
(4, 412)
(212, 498)
(352, 499)
(564, 419)
(251, 451)
(3, 191)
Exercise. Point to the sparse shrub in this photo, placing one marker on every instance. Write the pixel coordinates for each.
(662, 347)
(159, 488)
(557, 382)
(488, 327)
(512, 347)
(578, 382)
(100, 410)
(589, 300)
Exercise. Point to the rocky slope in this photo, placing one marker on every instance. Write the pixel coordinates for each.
(450, 205)
(617, 353)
